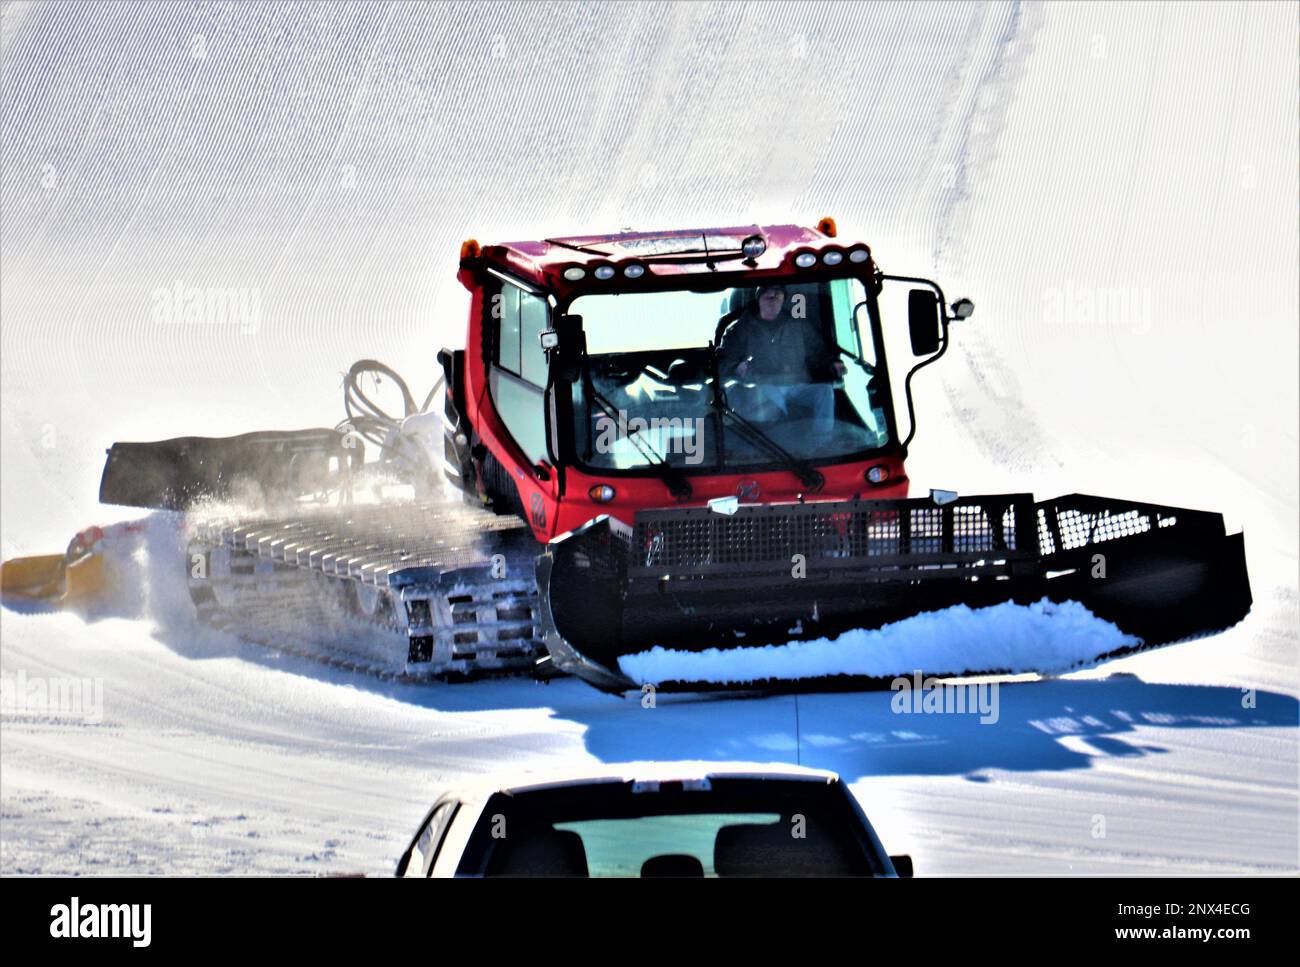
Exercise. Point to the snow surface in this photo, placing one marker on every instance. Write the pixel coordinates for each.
(1042, 637)
(1115, 187)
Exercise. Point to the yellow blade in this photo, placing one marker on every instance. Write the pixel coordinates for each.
(48, 577)
(83, 578)
(32, 577)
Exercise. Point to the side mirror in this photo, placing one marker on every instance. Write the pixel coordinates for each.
(902, 865)
(924, 321)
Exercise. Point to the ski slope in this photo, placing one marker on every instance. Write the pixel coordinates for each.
(1114, 186)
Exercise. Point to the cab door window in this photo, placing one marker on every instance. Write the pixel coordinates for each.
(507, 310)
(533, 321)
(518, 376)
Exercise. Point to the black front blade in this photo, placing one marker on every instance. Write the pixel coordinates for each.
(692, 579)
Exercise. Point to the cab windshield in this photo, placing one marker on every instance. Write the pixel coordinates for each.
(797, 363)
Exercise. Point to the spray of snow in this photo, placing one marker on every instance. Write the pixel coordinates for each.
(146, 563)
(1043, 637)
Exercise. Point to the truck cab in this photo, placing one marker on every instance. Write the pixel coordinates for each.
(609, 373)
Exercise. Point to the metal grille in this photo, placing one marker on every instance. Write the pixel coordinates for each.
(1046, 542)
(699, 538)
(1080, 529)
(1077, 521)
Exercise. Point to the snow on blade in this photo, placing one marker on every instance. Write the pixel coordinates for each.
(1043, 637)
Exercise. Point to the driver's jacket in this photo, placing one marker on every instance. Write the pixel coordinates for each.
(785, 350)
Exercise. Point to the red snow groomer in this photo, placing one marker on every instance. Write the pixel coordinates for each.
(681, 438)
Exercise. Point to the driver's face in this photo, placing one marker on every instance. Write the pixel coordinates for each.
(770, 302)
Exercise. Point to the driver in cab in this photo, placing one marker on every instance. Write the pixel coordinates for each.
(780, 362)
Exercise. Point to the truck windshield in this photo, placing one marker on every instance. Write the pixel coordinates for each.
(796, 361)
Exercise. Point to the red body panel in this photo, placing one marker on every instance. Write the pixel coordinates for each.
(539, 497)
(541, 263)
(843, 482)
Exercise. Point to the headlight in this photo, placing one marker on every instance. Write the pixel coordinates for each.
(833, 257)
(878, 474)
(805, 260)
(601, 493)
(575, 273)
(604, 272)
(753, 247)
(634, 270)
(859, 255)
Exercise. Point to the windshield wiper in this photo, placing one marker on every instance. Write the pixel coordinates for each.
(808, 475)
(677, 483)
